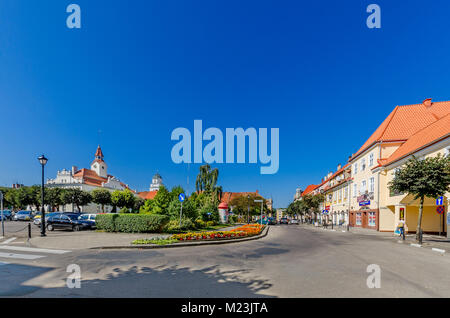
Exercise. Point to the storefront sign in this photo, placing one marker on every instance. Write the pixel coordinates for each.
(327, 208)
(364, 203)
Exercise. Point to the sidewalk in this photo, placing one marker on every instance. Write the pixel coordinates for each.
(92, 239)
(429, 241)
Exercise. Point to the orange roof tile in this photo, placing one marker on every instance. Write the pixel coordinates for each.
(227, 197)
(405, 121)
(310, 189)
(434, 132)
(147, 195)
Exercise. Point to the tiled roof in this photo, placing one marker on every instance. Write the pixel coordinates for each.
(432, 133)
(405, 121)
(310, 189)
(147, 195)
(227, 197)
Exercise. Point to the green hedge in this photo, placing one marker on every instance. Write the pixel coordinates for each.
(131, 223)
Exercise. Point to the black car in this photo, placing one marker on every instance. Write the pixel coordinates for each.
(67, 221)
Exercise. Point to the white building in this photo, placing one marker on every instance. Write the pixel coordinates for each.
(156, 182)
(88, 179)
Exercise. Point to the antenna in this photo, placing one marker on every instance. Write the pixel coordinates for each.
(99, 132)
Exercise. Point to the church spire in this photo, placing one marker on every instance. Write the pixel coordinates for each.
(99, 153)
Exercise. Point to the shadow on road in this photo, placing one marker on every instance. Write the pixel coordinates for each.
(163, 281)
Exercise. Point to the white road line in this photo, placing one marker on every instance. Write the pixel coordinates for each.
(416, 245)
(32, 249)
(438, 250)
(20, 256)
(9, 240)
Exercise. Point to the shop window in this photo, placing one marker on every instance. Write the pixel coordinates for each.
(372, 219)
(358, 219)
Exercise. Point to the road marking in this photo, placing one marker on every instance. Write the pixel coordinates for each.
(20, 256)
(438, 250)
(9, 240)
(416, 245)
(33, 249)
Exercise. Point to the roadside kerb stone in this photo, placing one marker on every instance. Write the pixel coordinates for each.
(199, 243)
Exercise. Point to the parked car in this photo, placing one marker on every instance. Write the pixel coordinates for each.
(88, 219)
(284, 221)
(23, 216)
(7, 215)
(37, 218)
(272, 221)
(68, 221)
(295, 221)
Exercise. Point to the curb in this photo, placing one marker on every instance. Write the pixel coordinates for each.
(251, 238)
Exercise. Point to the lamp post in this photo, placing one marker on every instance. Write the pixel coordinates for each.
(43, 162)
(3, 222)
(248, 211)
(262, 202)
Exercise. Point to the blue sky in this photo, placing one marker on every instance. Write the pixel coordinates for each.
(136, 70)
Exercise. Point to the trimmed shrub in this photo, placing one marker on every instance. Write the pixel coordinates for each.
(199, 224)
(105, 222)
(132, 223)
(174, 226)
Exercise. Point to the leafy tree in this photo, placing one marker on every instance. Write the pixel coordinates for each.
(123, 199)
(77, 197)
(429, 177)
(161, 201)
(52, 197)
(147, 207)
(175, 192)
(138, 203)
(189, 210)
(102, 197)
(241, 204)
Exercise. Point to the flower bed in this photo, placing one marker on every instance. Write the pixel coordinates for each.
(242, 231)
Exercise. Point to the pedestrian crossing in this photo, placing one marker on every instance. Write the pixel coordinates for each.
(24, 253)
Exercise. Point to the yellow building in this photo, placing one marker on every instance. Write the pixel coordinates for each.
(337, 194)
(367, 184)
(427, 142)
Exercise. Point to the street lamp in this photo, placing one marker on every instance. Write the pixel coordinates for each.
(262, 201)
(248, 211)
(43, 162)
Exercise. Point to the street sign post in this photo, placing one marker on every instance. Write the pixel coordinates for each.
(181, 197)
(3, 224)
(262, 202)
(440, 211)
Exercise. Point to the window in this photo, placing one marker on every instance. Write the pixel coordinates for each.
(363, 164)
(363, 188)
(340, 195)
(355, 170)
(372, 184)
(354, 190)
(358, 219)
(371, 160)
(372, 219)
(447, 151)
(345, 192)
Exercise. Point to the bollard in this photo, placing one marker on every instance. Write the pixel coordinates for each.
(29, 231)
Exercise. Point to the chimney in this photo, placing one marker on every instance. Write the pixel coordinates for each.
(339, 167)
(427, 102)
(74, 169)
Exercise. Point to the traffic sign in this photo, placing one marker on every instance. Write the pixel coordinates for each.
(182, 197)
(440, 201)
(440, 209)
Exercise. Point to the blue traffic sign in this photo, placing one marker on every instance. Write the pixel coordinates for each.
(182, 197)
(440, 201)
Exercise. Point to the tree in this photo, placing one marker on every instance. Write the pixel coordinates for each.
(161, 201)
(175, 192)
(102, 197)
(241, 204)
(429, 177)
(77, 197)
(147, 207)
(52, 197)
(123, 199)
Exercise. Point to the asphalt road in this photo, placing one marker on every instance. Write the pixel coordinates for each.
(292, 261)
